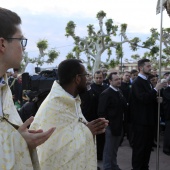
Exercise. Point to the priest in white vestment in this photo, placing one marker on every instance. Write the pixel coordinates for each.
(72, 145)
(17, 143)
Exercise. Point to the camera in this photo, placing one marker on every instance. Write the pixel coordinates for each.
(39, 83)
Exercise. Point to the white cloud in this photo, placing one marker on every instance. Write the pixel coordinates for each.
(47, 19)
(140, 15)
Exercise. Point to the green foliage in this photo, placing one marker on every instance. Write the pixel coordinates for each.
(52, 54)
(109, 25)
(134, 43)
(167, 30)
(70, 56)
(114, 29)
(89, 68)
(70, 28)
(42, 44)
(39, 62)
(123, 28)
(76, 39)
(99, 41)
(107, 39)
(109, 52)
(167, 51)
(119, 51)
(135, 56)
(100, 14)
(90, 30)
(154, 33)
(150, 42)
(113, 63)
(154, 50)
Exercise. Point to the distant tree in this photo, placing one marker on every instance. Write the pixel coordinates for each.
(52, 53)
(153, 51)
(43, 51)
(97, 42)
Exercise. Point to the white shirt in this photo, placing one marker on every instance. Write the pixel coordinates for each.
(142, 76)
(113, 88)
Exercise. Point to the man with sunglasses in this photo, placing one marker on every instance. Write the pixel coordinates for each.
(17, 143)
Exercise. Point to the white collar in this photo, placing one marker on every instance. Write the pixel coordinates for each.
(113, 88)
(142, 76)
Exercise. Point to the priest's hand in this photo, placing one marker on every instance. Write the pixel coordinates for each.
(98, 126)
(34, 138)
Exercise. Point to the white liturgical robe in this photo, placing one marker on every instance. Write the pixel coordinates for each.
(71, 146)
(14, 152)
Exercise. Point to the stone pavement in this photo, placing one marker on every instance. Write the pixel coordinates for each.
(125, 153)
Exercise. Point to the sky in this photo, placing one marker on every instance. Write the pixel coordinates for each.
(42, 19)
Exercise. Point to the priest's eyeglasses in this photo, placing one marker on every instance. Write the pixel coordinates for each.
(22, 40)
(85, 74)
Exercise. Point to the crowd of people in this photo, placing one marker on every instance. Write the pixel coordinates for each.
(84, 118)
(129, 102)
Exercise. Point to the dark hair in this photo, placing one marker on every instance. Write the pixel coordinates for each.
(8, 22)
(68, 69)
(110, 75)
(98, 72)
(126, 72)
(133, 71)
(151, 76)
(142, 62)
(167, 73)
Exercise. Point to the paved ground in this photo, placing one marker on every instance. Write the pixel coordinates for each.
(125, 152)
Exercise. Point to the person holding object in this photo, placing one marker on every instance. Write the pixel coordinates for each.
(72, 145)
(143, 105)
(17, 142)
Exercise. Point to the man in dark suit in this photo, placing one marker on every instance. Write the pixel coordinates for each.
(125, 88)
(90, 98)
(143, 104)
(96, 89)
(112, 105)
(166, 112)
(89, 106)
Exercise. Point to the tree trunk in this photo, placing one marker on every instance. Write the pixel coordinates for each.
(97, 62)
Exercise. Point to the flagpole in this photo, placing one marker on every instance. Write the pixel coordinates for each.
(160, 55)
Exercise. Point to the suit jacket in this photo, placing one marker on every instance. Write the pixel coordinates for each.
(125, 88)
(166, 103)
(90, 99)
(143, 103)
(89, 105)
(112, 105)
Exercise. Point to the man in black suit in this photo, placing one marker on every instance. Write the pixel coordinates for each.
(89, 106)
(143, 105)
(112, 105)
(96, 89)
(166, 112)
(125, 88)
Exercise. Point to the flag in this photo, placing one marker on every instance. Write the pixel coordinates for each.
(158, 7)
